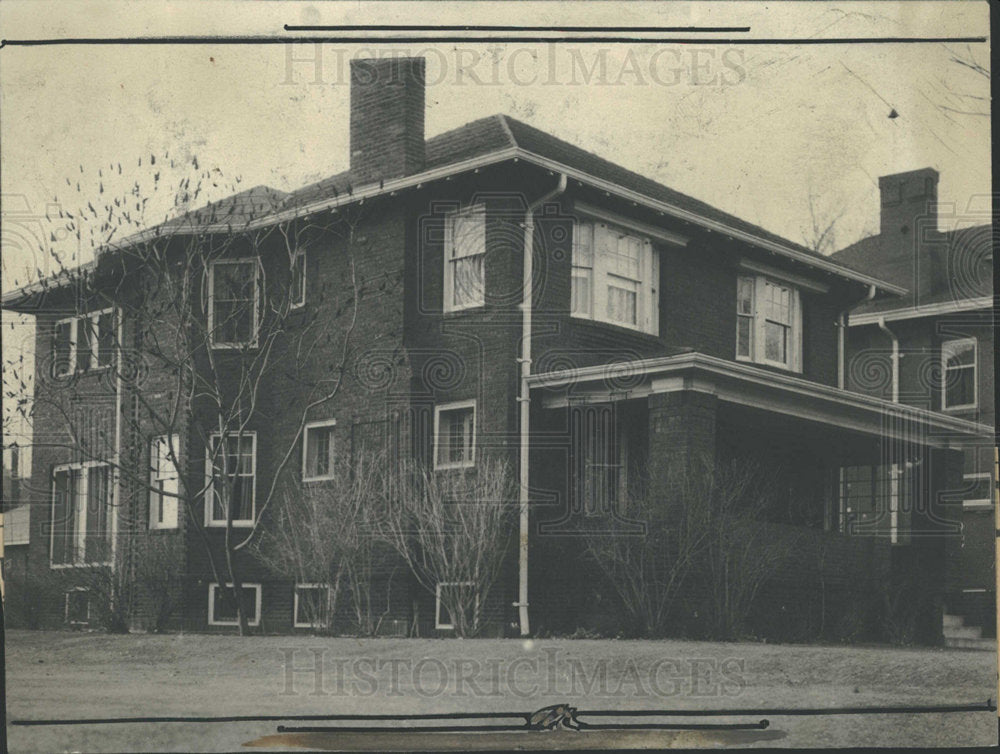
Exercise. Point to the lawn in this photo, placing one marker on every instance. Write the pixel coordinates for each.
(79, 675)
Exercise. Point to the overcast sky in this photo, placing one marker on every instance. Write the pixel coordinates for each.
(755, 130)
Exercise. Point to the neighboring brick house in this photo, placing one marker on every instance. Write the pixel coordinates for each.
(934, 348)
(658, 330)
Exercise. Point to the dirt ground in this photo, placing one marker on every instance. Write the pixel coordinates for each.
(60, 675)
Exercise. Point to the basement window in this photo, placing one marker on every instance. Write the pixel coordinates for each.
(222, 605)
(453, 594)
(312, 604)
(78, 606)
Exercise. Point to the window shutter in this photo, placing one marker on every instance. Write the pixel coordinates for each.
(600, 301)
(758, 318)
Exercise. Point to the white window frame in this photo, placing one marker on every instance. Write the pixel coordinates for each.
(331, 474)
(209, 482)
(979, 503)
(438, 410)
(297, 299)
(255, 326)
(211, 605)
(437, 602)
(757, 331)
(155, 497)
(81, 513)
(75, 322)
(947, 348)
(66, 612)
(448, 302)
(647, 285)
(296, 623)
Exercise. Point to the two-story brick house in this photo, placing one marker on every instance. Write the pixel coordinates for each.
(531, 299)
(934, 348)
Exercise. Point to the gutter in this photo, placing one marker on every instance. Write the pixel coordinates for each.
(524, 398)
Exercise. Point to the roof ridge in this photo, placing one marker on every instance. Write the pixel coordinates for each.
(502, 117)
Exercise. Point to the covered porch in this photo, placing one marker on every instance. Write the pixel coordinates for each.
(860, 485)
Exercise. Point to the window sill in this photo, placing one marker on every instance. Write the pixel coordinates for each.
(314, 479)
(242, 524)
(454, 466)
(233, 346)
(60, 566)
(464, 310)
(967, 409)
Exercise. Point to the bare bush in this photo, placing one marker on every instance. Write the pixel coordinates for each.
(453, 529)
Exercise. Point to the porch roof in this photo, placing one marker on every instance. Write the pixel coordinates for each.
(749, 385)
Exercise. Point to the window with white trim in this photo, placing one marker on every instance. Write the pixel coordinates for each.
(318, 450)
(222, 605)
(298, 280)
(311, 606)
(233, 302)
(232, 478)
(615, 277)
(464, 258)
(82, 500)
(958, 367)
(452, 594)
(768, 322)
(455, 435)
(163, 482)
(78, 606)
(83, 343)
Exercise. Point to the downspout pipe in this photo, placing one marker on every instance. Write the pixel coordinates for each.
(893, 467)
(524, 399)
(895, 358)
(842, 340)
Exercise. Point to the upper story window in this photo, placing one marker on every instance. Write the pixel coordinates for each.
(958, 365)
(455, 435)
(616, 277)
(163, 482)
(233, 303)
(232, 478)
(464, 257)
(768, 322)
(317, 451)
(83, 342)
(82, 499)
(297, 288)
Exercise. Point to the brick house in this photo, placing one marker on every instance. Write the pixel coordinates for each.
(658, 330)
(933, 348)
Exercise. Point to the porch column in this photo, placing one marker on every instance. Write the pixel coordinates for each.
(681, 433)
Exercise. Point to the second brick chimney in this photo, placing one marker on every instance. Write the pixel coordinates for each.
(908, 198)
(387, 118)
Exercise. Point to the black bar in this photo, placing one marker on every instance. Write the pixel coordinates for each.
(408, 27)
(486, 39)
(986, 706)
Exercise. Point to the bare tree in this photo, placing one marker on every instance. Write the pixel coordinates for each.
(453, 528)
(204, 309)
(327, 533)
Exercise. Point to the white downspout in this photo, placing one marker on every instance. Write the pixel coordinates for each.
(524, 399)
(894, 467)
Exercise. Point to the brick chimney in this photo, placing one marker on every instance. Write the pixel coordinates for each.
(909, 237)
(387, 118)
(908, 198)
